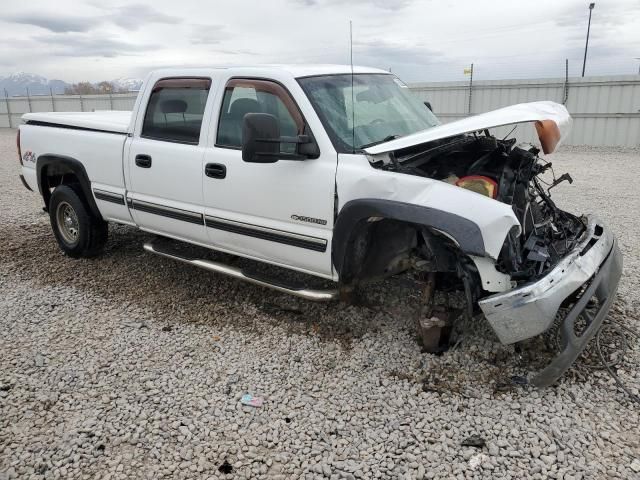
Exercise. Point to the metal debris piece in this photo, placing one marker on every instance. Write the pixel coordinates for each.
(434, 331)
(475, 441)
(252, 401)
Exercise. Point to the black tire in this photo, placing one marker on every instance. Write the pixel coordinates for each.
(78, 232)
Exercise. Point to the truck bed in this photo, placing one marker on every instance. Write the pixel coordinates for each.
(104, 121)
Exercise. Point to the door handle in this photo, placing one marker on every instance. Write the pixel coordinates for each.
(143, 161)
(215, 170)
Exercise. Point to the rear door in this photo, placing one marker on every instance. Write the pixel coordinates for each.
(165, 159)
(279, 212)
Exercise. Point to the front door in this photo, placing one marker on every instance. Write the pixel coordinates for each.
(165, 160)
(280, 212)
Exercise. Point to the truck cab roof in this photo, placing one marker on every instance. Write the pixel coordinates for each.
(293, 70)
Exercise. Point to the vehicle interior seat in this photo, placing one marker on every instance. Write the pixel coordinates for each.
(230, 129)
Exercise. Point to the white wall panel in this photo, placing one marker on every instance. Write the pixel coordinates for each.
(606, 110)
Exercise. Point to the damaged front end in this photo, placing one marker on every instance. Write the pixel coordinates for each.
(584, 283)
(554, 262)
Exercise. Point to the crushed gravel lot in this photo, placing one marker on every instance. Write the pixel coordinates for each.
(133, 366)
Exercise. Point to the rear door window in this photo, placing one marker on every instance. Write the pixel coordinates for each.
(176, 109)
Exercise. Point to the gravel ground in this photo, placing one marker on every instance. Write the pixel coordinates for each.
(133, 366)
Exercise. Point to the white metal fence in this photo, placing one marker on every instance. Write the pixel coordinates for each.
(606, 110)
(12, 108)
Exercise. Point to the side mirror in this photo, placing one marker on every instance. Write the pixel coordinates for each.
(428, 105)
(260, 138)
(261, 141)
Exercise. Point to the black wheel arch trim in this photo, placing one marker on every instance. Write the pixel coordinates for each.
(75, 166)
(465, 232)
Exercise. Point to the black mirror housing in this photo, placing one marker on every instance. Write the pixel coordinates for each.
(260, 138)
(261, 141)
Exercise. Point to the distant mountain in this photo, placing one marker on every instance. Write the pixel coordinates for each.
(127, 84)
(18, 83)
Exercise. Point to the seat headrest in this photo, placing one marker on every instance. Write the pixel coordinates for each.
(173, 106)
(241, 106)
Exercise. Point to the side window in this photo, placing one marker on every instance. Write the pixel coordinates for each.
(242, 96)
(175, 110)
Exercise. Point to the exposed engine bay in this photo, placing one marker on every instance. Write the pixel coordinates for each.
(511, 174)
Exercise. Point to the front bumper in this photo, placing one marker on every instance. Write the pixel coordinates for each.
(527, 311)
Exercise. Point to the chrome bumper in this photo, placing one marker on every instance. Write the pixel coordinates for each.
(530, 310)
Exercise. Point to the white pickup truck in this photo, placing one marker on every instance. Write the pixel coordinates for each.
(339, 173)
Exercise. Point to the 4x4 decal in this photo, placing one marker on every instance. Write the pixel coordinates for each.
(29, 156)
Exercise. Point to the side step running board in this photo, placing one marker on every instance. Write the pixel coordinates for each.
(308, 294)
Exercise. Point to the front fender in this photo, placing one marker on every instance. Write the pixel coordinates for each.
(358, 180)
(465, 233)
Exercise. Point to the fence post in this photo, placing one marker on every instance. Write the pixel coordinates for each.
(81, 104)
(470, 91)
(53, 101)
(110, 101)
(566, 81)
(29, 100)
(6, 99)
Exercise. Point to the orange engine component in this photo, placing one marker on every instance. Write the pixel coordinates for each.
(479, 184)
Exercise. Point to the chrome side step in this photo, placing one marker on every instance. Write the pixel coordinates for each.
(308, 294)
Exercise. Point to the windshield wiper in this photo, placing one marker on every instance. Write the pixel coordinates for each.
(385, 139)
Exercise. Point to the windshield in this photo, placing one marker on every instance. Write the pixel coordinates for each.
(384, 109)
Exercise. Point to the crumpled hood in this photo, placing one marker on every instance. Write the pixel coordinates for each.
(552, 123)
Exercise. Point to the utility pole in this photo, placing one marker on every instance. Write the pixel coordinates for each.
(586, 45)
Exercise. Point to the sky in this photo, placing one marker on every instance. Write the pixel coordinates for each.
(419, 40)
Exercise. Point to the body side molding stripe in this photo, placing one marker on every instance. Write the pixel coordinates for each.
(39, 123)
(170, 212)
(264, 233)
(108, 196)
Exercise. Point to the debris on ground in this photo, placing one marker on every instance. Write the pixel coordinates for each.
(477, 460)
(475, 441)
(225, 468)
(251, 401)
(272, 308)
(519, 380)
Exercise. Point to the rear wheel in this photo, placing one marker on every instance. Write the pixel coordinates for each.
(78, 232)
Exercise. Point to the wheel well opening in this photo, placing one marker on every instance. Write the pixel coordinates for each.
(53, 176)
(382, 247)
(379, 248)
(61, 172)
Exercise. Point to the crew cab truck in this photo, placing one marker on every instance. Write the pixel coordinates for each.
(341, 173)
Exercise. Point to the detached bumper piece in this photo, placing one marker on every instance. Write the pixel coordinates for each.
(590, 273)
(603, 287)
